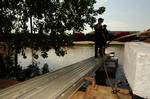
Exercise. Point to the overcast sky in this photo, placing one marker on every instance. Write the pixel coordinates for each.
(125, 15)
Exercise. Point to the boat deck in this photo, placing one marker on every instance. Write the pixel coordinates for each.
(101, 92)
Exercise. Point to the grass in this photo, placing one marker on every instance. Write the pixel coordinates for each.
(117, 45)
(84, 45)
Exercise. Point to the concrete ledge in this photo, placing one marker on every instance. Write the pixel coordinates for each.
(137, 67)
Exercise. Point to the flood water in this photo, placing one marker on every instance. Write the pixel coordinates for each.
(74, 54)
(119, 52)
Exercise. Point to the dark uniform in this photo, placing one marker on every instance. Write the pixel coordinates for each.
(99, 39)
(105, 31)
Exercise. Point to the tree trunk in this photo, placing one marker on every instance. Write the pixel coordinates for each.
(16, 56)
(32, 36)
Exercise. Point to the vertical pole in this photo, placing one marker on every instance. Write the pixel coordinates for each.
(31, 36)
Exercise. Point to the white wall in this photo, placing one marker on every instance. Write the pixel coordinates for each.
(137, 67)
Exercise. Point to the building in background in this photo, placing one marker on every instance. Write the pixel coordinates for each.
(78, 36)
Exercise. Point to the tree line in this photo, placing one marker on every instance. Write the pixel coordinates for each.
(41, 24)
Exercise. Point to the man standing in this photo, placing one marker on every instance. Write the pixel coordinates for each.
(99, 37)
(105, 31)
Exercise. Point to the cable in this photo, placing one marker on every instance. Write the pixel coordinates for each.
(114, 91)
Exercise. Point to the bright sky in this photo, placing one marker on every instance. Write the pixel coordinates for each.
(125, 15)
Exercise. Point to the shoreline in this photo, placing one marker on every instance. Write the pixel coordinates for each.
(92, 43)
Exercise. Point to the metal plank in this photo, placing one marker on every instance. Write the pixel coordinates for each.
(53, 85)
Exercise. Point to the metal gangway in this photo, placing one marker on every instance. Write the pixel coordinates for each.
(60, 84)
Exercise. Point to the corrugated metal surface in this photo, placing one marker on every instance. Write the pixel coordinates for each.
(53, 85)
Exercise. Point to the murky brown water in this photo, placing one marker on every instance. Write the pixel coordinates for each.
(74, 54)
(119, 52)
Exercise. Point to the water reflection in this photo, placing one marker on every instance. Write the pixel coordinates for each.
(74, 54)
(119, 52)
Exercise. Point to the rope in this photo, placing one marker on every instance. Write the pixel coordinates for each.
(114, 90)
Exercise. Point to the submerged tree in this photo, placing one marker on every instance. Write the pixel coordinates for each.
(44, 22)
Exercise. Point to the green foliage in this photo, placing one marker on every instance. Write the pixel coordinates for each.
(45, 69)
(60, 51)
(48, 15)
(6, 64)
(50, 19)
(32, 71)
(16, 73)
(89, 37)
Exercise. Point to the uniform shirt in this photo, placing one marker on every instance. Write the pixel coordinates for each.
(99, 38)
